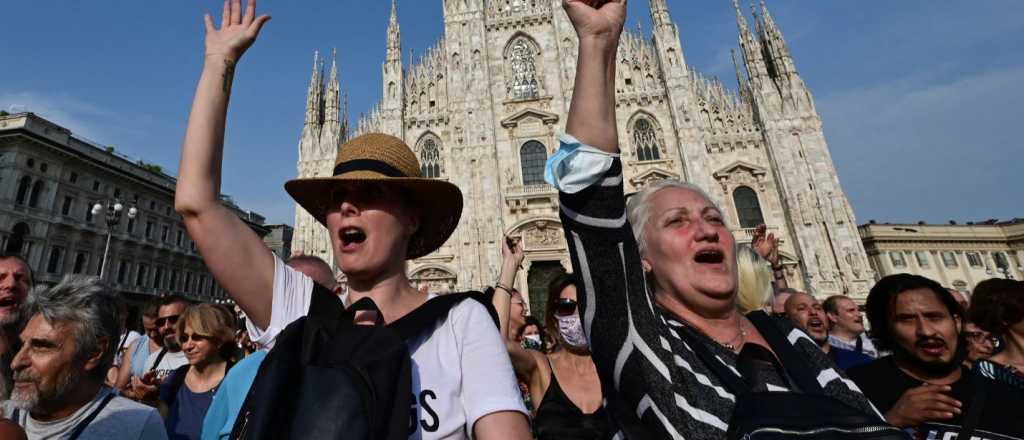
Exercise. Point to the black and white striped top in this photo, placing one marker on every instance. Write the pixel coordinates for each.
(654, 385)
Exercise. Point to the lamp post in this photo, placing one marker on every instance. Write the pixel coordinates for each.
(113, 217)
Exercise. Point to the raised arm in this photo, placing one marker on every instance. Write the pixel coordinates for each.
(591, 117)
(236, 256)
(511, 259)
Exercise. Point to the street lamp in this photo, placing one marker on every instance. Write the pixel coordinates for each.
(113, 217)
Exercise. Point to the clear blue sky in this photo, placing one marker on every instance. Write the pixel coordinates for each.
(920, 99)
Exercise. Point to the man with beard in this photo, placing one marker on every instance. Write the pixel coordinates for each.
(68, 344)
(161, 363)
(923, 386)
(15, 280)
(846, 326)
(806, 314)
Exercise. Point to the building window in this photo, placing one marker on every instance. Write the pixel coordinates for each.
(748, 208)
(974, 259)
(163, 234)
(897, 259)
(43, 167)
(949, 260)
(178, 239)
(73, 178)
(523, 82)
(1001, 261)
(645, 140)
(88, 212)
(81, 260)
(158, 278)
(922, 259)
(131, 225)
(37, 190)
(430, 159)
(23, 186)
(533, 155)
(53, 265)
(31, 163)
(68, 204)
(149, 229)
(122, 271)
(96, 185)
(140, 276)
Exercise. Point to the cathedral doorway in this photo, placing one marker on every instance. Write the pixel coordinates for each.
(537, 279)
(17, 240)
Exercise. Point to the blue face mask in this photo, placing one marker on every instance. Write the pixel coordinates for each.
(576, 166)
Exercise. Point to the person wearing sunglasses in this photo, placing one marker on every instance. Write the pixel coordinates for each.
(207, 337)
(562, 385)
(161, 363)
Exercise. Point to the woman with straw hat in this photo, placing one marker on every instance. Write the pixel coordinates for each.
(379, 213)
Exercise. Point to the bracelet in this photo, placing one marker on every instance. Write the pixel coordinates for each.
(777, 268)
(502, 287)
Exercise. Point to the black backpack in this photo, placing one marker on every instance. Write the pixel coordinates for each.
(806, 413)
(327, 378)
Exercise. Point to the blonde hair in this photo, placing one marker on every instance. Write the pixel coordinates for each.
(211, 321)
(755, 280)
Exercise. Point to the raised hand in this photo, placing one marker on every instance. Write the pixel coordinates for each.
(512, 251)
(237, 32)
(597, 18)
(766, 245)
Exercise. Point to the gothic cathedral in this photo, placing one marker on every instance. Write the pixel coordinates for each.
(484, 106)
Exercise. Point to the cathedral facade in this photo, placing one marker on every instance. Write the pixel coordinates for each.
(483, 108)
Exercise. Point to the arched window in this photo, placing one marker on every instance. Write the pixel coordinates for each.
(23, 185)
(523, 83)
(16, 244)
(430, 159)
(532, 156)
(748, 208)
(37, 190)
(645, 140)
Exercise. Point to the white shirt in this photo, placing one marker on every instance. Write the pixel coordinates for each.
(128, 339)
(169, 363)
(460, 371)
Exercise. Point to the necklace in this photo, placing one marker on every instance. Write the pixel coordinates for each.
(738, 340)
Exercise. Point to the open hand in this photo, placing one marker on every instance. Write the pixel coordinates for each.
(597, 18)
(236, 33)
(924, 403)
(766, 245)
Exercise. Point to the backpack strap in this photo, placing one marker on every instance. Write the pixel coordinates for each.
(159, 358)
(796, 365)
(325, 304)
(416, 322)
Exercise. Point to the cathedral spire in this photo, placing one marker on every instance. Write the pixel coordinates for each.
(752, 56)
(772, 38)
(394, 34)
(659, 14)
(331, 112)
(313, 108)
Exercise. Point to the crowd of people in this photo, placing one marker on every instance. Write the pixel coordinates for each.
(665, 327)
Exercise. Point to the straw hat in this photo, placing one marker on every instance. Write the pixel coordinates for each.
(388, 160)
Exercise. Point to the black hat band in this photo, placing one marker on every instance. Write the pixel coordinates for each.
(367, 165)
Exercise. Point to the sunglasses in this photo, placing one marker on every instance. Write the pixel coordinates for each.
(173, 319)
(565, 306)
(185, 337)
(978, 337)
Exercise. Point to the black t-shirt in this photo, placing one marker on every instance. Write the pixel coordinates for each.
(1002, 418)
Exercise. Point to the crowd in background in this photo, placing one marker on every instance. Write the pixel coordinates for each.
(664, 328)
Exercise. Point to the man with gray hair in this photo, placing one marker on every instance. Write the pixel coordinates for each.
(15, 280)
(68, 344)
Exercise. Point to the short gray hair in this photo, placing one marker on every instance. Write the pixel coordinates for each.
(638, 206)
(84, 302)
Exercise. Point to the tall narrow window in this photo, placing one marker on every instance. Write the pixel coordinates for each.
(54, 263)
(37, 191)
(522, 70)
(922, 259)
(68, 204)
(897, 259)
(645, 140)
(430, 159)
(81, 260)
(533, 155)
(748, 208)
(23, 186)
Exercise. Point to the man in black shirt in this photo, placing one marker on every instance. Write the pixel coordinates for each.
(923, 387)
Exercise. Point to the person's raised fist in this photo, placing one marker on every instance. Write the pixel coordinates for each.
(602, 19)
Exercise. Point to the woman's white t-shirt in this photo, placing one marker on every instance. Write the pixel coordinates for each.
(460, 371)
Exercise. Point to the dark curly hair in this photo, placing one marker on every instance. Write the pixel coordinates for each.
(883, 296)
(997, 304)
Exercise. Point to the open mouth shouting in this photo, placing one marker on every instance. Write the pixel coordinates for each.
(932, 347)
(815, 325)
(352, 238)
(8, 302)
(712, 258)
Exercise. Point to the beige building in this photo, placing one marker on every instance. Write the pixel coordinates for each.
(955, 255)
(49, 181)
(484, 106)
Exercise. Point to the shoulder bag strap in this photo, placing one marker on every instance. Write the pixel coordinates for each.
(973, 415)
(85, 422)
(159, 358)
(176, 382)
(797, 366)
